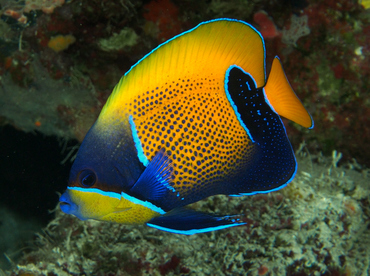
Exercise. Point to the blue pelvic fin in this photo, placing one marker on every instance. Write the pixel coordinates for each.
(154, 182)
(188, 222)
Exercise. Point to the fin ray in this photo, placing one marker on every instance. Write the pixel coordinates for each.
(154, 182)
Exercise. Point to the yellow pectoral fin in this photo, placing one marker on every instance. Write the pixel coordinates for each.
(283, 99)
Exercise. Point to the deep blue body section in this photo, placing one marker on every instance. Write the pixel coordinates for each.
(274, 162)
(111, 156)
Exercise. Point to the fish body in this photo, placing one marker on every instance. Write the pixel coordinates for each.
(192, 119)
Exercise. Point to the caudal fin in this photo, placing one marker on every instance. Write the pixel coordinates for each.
(283, 99)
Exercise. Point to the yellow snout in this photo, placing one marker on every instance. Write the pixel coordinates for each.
(104, 206)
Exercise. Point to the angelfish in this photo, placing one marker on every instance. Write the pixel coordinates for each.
(193, 118)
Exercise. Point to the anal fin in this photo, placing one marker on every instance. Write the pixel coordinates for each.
(188, 222)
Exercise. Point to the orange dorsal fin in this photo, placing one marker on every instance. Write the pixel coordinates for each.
(283, 99)
(203, 53)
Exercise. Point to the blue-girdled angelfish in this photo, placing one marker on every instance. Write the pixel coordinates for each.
(193, 118)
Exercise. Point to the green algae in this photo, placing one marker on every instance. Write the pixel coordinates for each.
(126, 38)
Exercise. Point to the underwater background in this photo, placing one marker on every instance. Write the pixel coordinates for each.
(59, 61)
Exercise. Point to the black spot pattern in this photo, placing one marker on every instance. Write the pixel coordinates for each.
(211, 151)
(195, 123)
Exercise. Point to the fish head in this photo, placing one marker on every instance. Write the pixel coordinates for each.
(102, 174)
(85, 198)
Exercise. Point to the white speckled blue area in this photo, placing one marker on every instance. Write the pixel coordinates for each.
(265, 126)
(231, 100)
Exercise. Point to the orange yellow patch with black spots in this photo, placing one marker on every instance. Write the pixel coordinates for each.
(197, 126)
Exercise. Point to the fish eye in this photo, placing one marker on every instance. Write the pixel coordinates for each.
(87, 178)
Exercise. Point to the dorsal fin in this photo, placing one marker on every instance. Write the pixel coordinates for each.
(283, 99)
(205, 51)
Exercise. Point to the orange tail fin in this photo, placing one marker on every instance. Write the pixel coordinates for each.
(283, 99)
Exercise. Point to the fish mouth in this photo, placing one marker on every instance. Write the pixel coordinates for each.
(66, 204)
(69, 207)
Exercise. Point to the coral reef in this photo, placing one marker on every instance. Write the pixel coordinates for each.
(15, 233)
(318, 225)
(163, 14)
(266, 25)
(298, 28)
(61, 42)
(339, 79)
(18, 9)
(323, 46)
(47, 6)
(56, 100)
(126, 38)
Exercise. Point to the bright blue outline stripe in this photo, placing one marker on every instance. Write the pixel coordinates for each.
(281, 121)
(194, 231)
(275, 189)
(97, 191)
(146, 204)
(268, 191)
(233, 105)
(140, 152)
(203, 23)
(134, 200)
